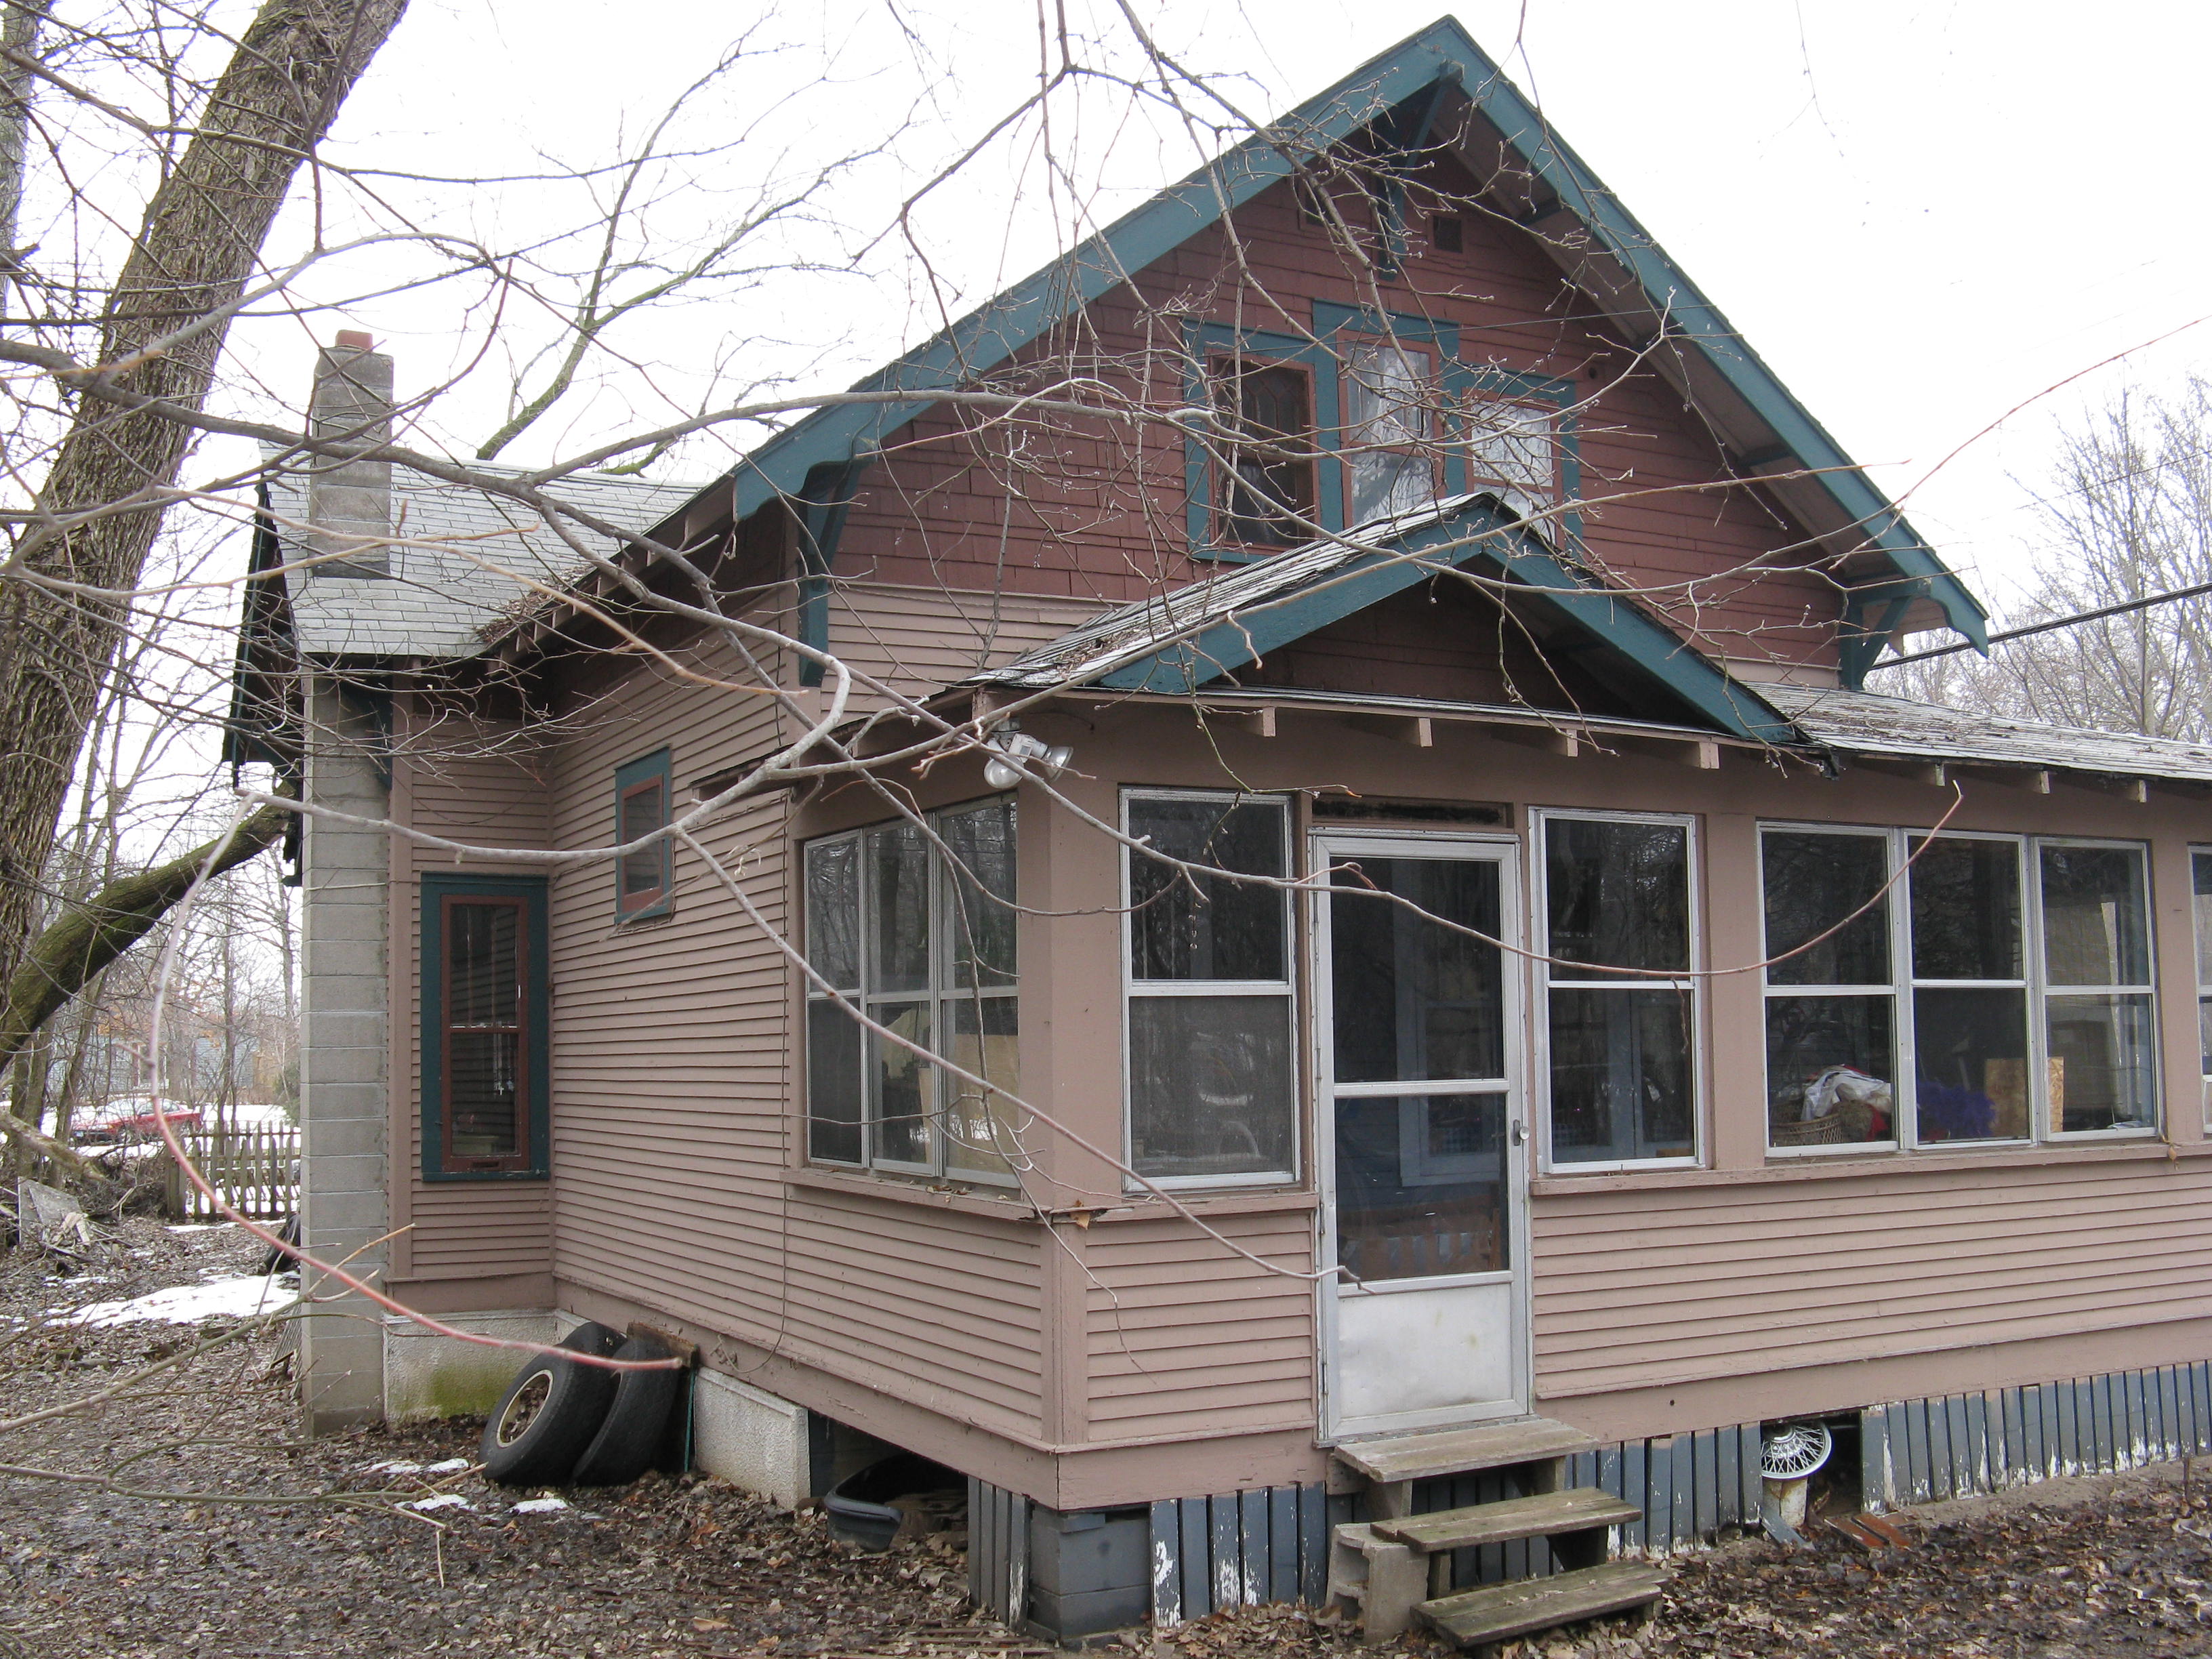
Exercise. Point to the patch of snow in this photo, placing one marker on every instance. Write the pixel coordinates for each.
(201, 1227)
(445, 1466)
(396, 1466)
(540, 1505)
(444, 1500)
(184, 1305)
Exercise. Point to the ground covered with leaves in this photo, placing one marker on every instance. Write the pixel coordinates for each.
(183, 1515)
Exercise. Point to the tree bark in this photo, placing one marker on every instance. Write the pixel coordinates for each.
(199, 245)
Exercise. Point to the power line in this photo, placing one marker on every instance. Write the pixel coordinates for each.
(2075, 621)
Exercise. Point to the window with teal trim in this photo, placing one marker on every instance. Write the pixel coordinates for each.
(485, 1006)
(643, 878)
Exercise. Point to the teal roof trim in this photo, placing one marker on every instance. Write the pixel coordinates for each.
(1474, 527)
(1443, 52)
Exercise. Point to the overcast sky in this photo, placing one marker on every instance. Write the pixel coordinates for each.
(1922, 214)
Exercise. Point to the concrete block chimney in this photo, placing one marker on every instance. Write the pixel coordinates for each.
(349, 502)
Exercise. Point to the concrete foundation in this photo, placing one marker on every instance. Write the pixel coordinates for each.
(750, 1438)
(428, 1376)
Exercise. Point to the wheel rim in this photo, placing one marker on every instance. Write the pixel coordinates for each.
(523, 1406)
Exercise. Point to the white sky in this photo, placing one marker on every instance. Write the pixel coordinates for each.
(1922, 214)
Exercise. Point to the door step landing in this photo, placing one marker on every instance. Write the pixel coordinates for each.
(1496, 1612)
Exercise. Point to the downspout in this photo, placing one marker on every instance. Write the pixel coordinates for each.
(824, 499)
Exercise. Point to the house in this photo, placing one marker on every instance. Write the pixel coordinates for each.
(1484, 973)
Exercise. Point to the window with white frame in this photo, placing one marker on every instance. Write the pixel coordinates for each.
(2008, 978)
(2200, 870)
(1211, 1090)
(915, 925)
(1621, 1009)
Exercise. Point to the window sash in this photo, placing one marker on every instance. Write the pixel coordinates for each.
(934, 990)
(1278, 991)
(643, 878)
(1558, 976)
(2035, 990)
(489, 1042)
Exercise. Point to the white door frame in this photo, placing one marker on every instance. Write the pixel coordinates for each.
(1504, 852)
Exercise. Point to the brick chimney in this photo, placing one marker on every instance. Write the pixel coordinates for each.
(352, 403)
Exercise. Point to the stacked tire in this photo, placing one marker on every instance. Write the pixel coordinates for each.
(565, 1422)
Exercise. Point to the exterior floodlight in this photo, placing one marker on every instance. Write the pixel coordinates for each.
(1014, 744)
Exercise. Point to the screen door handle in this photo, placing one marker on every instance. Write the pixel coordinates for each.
(1518, 1130)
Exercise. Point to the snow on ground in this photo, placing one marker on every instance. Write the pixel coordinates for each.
(188, 1304)
(540, 1505)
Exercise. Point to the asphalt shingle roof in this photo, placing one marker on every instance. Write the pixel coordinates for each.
(460, 561)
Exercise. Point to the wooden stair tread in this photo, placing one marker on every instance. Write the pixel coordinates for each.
(1540, 1516)
(1497, 1612)
(1425, 1455)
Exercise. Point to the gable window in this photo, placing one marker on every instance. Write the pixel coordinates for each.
(2008, 978)
(1211, 1094)
(1388, 391)
(1265, 481)
(485, 1053)
(1512, 444)
(1620, 1046)
(916, 925)
(643, 878)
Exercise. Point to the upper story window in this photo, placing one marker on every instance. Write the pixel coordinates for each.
(2008, 978)
(1512, 443)
(1389, 397)
(914, 925)
(1621, 1009)
(1211, 1090)
(643, 878)
(1265, 474)
(485, 1053)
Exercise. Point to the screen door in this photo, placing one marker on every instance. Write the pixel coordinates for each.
(1423, 1139)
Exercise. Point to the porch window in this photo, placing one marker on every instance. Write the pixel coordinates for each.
(642, 879)
(1264, 483)
(2200, 865)
(485, 1055)
(1622, 1010)
(1388, 393)
(1212, 1097)
(915, 924)
(2009, 978)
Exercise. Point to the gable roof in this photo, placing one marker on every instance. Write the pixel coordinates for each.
(460, 561)
(1898, 582)
(1177, 641)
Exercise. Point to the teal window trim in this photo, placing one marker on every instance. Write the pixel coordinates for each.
(535, 1109)
(632, 778)
(1321, 356)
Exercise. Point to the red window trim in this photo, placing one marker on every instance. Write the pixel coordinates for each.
(626, 902)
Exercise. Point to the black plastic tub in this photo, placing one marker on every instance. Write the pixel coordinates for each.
(860, 1506)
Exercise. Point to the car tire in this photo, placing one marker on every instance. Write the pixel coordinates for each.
(629, 1439)
(550, 1413)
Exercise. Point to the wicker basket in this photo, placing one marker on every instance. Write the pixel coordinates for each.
(1817, 1132)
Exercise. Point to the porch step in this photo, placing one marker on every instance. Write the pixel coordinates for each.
(1424, 1456)
(1545, 1516)
(1498, 1612)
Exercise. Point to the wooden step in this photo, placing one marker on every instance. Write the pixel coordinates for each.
(1497, 1612)
(1434, 1452)
(1542, 1516)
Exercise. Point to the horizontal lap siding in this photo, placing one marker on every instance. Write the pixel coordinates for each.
(1186, 1338)
(674, 1120)
(920, 639)
(1680, 1284)
(484, 786)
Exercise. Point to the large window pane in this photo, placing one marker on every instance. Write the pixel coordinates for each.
(1210, 1091)
(2103, 1073)
(903, 1084)
(1191, 925)
(484, 967)
(1830, 1066)
(1414, 999)
(1385, 482)
(1420, 1186)
(1966, 910)
(979, 892)
(833, 912)
(898, 863)
(2201, 882)
(1617, 894)
(2094, 927)
(1620, 1075)
(832, 1084)
(1812, 882)
(1972, 1048)
(981, 1128)
(483, 1070)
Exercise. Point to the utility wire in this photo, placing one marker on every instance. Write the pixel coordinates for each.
(2075, 621)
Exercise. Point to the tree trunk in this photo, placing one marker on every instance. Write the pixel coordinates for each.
(199, 245)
